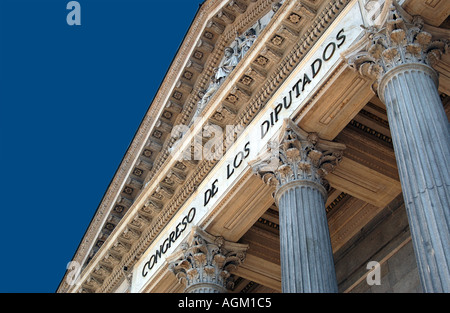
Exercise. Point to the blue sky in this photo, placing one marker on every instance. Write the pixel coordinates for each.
(71, 100)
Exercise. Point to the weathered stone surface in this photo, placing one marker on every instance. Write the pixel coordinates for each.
(398, 56)
(297, 164)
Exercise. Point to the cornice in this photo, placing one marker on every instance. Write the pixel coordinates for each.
(143, 133)
(297, 44)
(398, 40)
(205, 15)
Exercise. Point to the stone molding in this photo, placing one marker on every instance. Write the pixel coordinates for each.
(250, 108)
(317, 27)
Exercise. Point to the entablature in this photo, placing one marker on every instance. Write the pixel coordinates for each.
(151, 185)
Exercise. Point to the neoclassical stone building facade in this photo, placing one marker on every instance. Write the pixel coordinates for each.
(293, 146)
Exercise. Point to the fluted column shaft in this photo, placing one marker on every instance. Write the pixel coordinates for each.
(296, 164)
(398, 55)
(306, 256)
(421, 137)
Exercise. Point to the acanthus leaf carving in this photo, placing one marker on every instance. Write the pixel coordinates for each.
(297, 155)
(205, 259)
(399, 39)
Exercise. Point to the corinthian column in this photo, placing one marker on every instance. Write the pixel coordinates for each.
(203, 262)
(398, 55)
(296, 165)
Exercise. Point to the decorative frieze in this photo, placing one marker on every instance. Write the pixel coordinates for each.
(154, 144)
(203, 167)
(226, 16)
(238, 6)
(129, 235)
(164, 126)
(194, 178)
(110, 260)
(216, 27)
(152, 207)
(174, 177)
(174, 106)
(194, 66)
(119, 210)
(145, 164)
(120, 247)
(134, 183)
(147, 153)
(124, 202)
(139, 222)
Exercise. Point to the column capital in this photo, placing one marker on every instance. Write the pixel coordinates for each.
(297, 156)
(399, 39)
(296, 163)
(204, 262)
